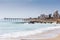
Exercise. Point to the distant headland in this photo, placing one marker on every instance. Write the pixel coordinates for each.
(43, 18)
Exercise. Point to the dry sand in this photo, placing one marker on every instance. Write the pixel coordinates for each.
(55, 38)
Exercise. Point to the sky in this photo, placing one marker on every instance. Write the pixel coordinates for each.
(27, 8)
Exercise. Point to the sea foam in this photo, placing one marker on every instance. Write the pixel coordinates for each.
(27, 33)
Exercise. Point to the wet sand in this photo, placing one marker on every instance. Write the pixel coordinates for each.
(47, 35)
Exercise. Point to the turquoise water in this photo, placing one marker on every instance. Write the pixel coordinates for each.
(7, 27)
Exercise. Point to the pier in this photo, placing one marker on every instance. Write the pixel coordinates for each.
(40, 19)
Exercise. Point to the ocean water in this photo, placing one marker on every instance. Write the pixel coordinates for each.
(9, 29)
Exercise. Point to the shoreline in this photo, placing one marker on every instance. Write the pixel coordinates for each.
(37, 34)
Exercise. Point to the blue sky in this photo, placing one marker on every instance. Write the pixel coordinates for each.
(27, 8)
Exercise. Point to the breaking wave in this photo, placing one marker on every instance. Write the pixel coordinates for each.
(26, 33)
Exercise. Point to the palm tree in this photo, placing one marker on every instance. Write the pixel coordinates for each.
(50, 16)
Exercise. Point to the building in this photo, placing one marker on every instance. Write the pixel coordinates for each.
(43, 16)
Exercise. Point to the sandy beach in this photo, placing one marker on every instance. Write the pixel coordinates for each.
(48, 35)
(56, 38)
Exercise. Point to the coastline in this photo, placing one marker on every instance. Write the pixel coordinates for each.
(51, 34)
